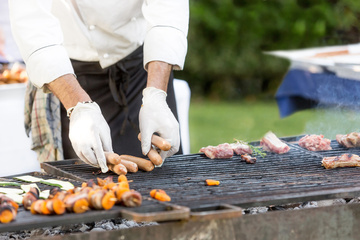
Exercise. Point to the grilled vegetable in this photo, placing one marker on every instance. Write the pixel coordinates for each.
(160, 195)
(26, 187)
(15, 197)
(65, 185)
(3, 184)
(211, 182)
(28, 178)
(11, 190)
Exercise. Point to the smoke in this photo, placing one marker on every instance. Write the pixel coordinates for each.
(332, 121)
(339, 111)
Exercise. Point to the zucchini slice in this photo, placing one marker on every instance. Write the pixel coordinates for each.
(28, 178)
(11, 190)
(44, 194)
(26, 187)
(2, 184)
(58, 183)
(16, 197)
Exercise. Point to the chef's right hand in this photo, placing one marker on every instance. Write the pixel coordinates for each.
(89, 134)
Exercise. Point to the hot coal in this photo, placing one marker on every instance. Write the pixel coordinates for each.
(104, 225)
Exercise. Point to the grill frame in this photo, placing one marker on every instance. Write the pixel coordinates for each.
(183, 178)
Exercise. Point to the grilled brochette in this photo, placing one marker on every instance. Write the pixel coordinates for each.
(8, 209)
(345, 160)
(31, 196)
(102, 195)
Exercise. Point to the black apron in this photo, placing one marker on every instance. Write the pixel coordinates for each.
(118, 91)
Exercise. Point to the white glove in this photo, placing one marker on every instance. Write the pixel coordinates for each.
(156, 117)
(89, 134)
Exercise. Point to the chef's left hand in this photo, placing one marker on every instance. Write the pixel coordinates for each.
(156, 117)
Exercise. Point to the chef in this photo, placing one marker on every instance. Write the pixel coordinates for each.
(110, 66)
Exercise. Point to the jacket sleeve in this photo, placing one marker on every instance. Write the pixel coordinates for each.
(39, 38)
(167, 29)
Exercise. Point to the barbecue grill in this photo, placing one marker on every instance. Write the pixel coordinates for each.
(296, 176)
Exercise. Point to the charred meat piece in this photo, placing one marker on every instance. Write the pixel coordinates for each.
(248, 159)
(350, 140)
(345, 160)
(271, 143)
(241, 148)
(315, 143)
(221, 151)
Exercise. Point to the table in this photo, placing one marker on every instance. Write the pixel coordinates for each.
(303, 89)
(321, 76)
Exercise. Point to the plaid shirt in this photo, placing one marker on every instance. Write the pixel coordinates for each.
(42, 119)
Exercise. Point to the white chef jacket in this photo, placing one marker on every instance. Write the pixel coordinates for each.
(49, 32)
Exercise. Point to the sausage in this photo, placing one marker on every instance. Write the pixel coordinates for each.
(158, 142)
(155, 157)
(118, 169)
(130, 166)
(112, 158)
(142, 163)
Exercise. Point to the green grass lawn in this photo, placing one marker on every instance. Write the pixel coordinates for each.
(212, 123)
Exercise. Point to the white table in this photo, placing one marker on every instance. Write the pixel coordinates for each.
(16, 157)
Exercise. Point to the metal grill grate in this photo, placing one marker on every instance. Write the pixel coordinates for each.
(274, 179)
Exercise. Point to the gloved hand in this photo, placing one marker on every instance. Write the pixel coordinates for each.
(156, 117)
(89, 134)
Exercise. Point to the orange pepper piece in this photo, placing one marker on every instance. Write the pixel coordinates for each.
(160, 195)
(211, 182)
(122, 178)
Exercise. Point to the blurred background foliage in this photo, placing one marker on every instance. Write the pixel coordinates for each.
(227, 38)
